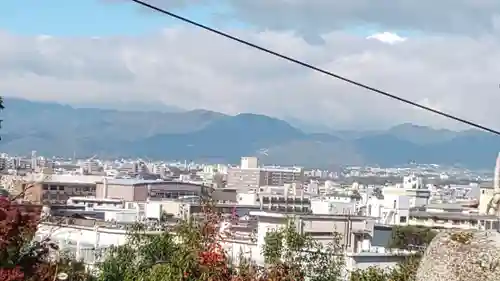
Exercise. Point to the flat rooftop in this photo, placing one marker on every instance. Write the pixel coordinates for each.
(276, 214)
(452, 216)
(132, 182)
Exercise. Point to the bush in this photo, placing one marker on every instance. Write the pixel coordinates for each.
(195, 253)
(23, 258)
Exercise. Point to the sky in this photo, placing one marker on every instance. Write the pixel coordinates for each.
(444, 54)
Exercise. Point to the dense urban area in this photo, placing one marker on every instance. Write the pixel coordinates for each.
(380, 220)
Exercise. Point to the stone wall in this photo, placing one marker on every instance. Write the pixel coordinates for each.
(462, 256)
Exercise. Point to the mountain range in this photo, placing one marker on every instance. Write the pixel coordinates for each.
(56, 129)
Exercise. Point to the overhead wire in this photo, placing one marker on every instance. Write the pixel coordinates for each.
(317, 69)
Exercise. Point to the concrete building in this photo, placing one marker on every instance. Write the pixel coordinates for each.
(287, 198)
(249, 163)
(57, 189)
(455, 220)
(142, 190)
(247, 179)
(250, 176)
(486, 193)
(334, 205)
(89, 240)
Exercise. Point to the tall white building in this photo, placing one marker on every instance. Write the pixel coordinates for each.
(249, 163)
(250, 176)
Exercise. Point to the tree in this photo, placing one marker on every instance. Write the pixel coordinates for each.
(372, 273)
(403, 237)
(21, 256)
(24, 258)
(300, 256)
(75, 269)
(404, 271)
(411, 237)
(195, 252)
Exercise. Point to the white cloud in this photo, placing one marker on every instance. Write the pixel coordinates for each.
(443, 16)
(193, 69)
(387, 37)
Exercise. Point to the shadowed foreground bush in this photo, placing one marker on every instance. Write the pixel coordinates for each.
(21, 258)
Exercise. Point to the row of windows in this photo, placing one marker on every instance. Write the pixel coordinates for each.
(174, 195)
(63, 187)
(55, 197)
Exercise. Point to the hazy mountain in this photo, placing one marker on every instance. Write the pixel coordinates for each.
(421, 134)
(133, 106)
(307, 127)
(413, 133)
(24, 117)
(226, 138)
(54, 129)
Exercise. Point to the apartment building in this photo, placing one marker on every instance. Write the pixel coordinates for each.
(250, 176)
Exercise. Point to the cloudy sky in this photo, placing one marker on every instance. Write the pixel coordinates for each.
(444, 54)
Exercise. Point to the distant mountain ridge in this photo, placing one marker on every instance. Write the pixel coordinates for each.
(54, 129)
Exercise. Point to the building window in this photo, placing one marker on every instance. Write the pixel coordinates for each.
(402, 219)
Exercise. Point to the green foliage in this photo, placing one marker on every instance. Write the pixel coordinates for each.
(404, 271)
(302, 255)
(160, 257)
(75, 269)
(194, 253)
(272, 247)
(145, 257)
(411, 237)
(372, 273)
(403, 237)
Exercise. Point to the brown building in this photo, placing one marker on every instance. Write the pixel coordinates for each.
(57, 189)
(140, 190)
(58, 192)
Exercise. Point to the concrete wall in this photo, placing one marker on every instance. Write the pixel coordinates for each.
(125, 192)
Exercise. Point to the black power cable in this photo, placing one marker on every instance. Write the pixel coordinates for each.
(304, 64)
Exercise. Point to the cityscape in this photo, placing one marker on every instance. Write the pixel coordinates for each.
(102, 197)
(249, 140)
